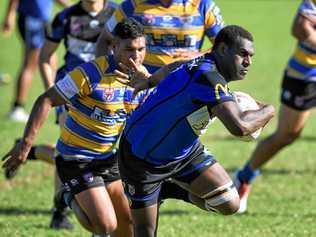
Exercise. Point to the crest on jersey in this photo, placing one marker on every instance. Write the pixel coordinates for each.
(108, 94)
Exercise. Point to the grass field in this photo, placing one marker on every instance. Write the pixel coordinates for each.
(283, 200)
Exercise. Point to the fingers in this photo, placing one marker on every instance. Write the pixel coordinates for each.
(122, 77)
(11, 165)
(6, 156)
(133, 64)
(124, 67)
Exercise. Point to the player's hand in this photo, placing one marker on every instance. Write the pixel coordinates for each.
(260, 103)
(15, 157)
(133, 75)
(7, 26)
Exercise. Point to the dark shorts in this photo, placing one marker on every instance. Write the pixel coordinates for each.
(32, 31)
(80, 175)
(142, 180)
(298, 94)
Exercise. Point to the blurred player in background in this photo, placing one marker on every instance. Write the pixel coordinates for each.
(78, 27)
(175, 30)
(298, 97)
(98, 107)
(161, 138)
(33, 16)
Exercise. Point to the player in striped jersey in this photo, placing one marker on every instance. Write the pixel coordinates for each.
(98, 107)
(78, 28)
(298, 97)
(175, 29)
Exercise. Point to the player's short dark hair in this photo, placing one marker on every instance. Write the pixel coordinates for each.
(231, 35)
(129, 28)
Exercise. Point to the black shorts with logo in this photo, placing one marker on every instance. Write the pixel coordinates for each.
(298, 94)
(142, 180)
(80, 175)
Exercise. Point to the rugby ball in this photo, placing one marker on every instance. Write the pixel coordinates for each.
(246, 102)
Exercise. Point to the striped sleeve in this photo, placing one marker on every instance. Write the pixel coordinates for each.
(125, 9)
(308, 9)
(213, 18)
(76, 83)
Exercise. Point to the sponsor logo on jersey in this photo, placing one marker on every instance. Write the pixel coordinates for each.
(220, 88)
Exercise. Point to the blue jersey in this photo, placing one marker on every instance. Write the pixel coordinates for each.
(166, 127)
(79, 30)
(36, 8)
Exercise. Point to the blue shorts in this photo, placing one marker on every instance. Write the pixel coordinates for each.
(32, 31)
(142, 181)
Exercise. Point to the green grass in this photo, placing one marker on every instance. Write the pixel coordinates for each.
(283, 200)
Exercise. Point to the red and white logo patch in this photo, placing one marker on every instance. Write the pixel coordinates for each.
(108, 94)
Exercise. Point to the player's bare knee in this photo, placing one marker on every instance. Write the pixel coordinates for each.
(223, 200)
(229, 208)
(105, 225)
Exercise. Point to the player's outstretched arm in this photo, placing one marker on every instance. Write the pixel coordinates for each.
(140, 79)
(242, 123)
(18, 154)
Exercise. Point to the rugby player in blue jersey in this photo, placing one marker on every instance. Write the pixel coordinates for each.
(33, 16)
(161, 138)
(298, 97)
(98, 107)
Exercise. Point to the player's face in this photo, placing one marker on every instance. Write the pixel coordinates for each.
(135, 49)
(238, 59)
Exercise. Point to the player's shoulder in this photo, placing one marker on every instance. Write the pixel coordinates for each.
(101, 62)
(205, 71)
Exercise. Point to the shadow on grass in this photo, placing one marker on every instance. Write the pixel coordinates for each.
(13, 211)
(174, 212)
(232, 138)
(274, 214)
(273, 171)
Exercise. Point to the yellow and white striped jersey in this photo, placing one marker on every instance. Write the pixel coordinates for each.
(302, 65)
(182, 25)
